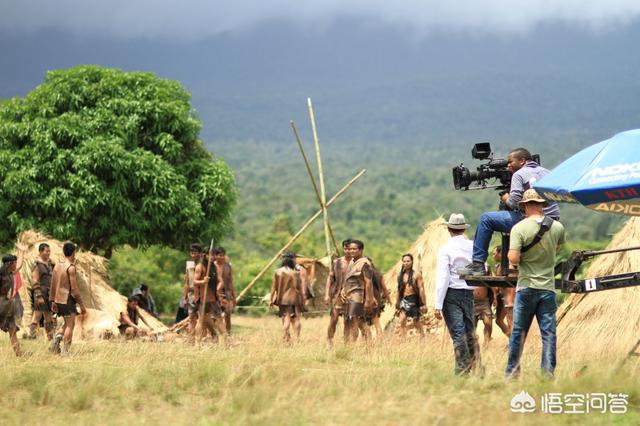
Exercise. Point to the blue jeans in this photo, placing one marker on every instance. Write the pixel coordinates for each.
(541, 304)
(457, 311)
(501, 221)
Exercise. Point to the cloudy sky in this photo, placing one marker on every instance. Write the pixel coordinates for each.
(191, 20)
(378, 69)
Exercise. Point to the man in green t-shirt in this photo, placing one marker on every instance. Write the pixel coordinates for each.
(535, 295)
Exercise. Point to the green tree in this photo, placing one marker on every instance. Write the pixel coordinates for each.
(106, 157)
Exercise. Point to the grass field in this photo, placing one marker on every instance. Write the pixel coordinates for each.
(257, 380)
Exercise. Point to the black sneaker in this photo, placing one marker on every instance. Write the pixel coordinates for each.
(475, 269)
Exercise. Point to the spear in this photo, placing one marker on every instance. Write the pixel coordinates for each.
(203, 299)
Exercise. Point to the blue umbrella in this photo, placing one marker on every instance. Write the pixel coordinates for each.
(604, 177)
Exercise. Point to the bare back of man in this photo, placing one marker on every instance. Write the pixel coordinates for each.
(287, 293)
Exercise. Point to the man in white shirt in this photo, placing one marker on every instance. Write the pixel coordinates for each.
(454, 298)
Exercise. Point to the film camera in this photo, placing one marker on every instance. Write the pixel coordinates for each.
(495, 169)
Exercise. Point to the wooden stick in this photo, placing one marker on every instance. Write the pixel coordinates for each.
(203, 298)
(179, 325)
(297, 235)
(325, 213)
(313, 181)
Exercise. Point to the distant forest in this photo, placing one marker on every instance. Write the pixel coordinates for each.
(405, 187)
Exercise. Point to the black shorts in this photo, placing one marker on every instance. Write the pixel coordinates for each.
(68, 309)
(46, 306)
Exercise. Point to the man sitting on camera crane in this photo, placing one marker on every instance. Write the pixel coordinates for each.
(525, 173)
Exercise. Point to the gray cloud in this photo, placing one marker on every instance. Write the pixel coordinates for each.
(196, 19)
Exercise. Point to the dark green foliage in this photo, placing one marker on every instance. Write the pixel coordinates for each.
(106, 157)
(161, 268)
(405, 187)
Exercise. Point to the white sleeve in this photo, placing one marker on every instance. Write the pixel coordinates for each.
(442, 278)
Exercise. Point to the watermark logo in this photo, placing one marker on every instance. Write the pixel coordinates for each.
(523, 403)
(572, 403)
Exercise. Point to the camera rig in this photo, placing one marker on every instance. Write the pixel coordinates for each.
(495, 169)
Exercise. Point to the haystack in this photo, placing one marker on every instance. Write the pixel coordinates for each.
(103, 303)
(604, 324)
(425, 257)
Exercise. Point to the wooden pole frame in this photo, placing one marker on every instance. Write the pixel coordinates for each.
(297, 235)
(313, 182)
(325, 213)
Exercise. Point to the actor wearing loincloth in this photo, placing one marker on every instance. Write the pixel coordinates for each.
(287, 293)
(357, 292)
(212, 284)
(10, 307)
(129, 319)
(482, 311)
(188, 297)
(503, 298)
(333, 289)
(65, 296)
(411, 302)
(227, 293)
(41, 275)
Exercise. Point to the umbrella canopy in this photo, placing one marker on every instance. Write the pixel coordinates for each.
(604, 177)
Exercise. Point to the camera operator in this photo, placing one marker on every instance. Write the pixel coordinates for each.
(525, 173)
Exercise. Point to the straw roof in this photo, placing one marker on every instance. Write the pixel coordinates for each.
(607, 323)
(425, 257)
(103, 303)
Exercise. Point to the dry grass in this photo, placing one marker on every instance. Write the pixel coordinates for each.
(259, 381)
(104, 303)
(605, 325)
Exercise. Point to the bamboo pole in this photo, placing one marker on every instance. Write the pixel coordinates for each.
(325, 213)
(297, 235)
(313, 182)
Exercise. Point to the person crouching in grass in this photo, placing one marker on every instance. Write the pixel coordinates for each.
(129, 320)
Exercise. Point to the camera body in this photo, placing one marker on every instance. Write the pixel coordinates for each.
(495, 168)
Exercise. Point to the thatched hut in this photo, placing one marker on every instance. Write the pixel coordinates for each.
(103, 303)
(604, 324)
(425, 257)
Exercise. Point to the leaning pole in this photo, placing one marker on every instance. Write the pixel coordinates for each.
(298, 234)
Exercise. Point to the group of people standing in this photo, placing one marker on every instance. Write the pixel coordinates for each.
(355, 290)
(55, 291)
(535, 237)
(209, 296)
